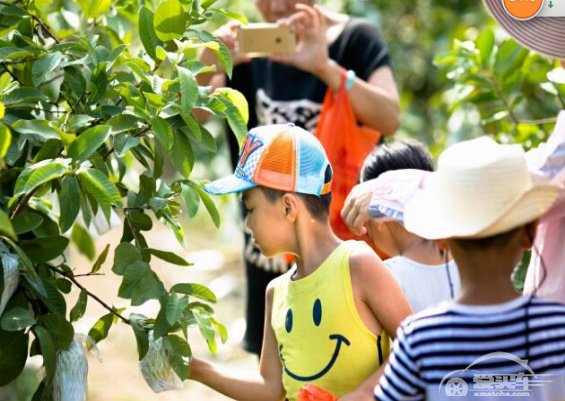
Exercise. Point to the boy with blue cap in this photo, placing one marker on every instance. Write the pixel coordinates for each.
(327, 319)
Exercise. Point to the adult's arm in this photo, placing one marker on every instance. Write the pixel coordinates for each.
(375, 101)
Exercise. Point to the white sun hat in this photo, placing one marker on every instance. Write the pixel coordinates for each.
(481, 189)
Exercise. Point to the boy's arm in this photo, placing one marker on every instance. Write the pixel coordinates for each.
(267, 386)
(381, 292)
(378, 288)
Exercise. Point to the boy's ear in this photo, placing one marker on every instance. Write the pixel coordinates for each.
(290, 206)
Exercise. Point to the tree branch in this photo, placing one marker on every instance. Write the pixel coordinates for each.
(23, 203)
(79, 285)
(45, 28)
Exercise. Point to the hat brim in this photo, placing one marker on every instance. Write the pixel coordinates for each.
(426, 217)
(228, 185)
(545, 35)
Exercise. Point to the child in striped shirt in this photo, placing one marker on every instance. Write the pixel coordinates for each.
(491, 341)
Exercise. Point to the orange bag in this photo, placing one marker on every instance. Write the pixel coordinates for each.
(347, 145)
(311, 392)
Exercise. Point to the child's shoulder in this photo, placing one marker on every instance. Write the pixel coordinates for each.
(363, 260)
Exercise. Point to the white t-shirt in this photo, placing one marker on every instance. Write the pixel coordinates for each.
(425, 285)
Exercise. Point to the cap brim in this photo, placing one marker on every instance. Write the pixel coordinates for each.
(228, 185)
(425, 216)
(545, 35)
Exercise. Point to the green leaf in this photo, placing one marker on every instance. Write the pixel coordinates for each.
(102, 189)
(21, 95)
(485, 44)
(237, 99)
(141, 334)
(47, 350)
(221, 52)
(79, 121)
(69, 206)
(84, 242)
(123, 143)
(182, 155)
(191, 200)
(149, 287)
(141, 222)
(230, 14)
(60, 329)
(180, 355)
(173, 308)
(101, 328)
(221, 329)
(188, 89)
(133, 274)
(169, 257)
(208, 140)
(100, 261)
(122, 123)
(170, 20)
(35, 176)
(147, 33)
(40, 128)
(124, 255)
(88, 142)
(43, 66)
(5, 140)
(210, 206)
(192, 126)
(25, 222)
(64, 285)
(163, 132)
(17, 319)
(207, 331)
(94, 9)
(207, 3)
(196, 290)
(54, 299)
(49, 150)
(6, 225)
(44, 249)
(80, 308)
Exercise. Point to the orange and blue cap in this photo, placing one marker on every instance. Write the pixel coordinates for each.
(282, 157)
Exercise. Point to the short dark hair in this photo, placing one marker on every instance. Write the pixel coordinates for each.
(317, 206)
(495, 241)
(396, 156)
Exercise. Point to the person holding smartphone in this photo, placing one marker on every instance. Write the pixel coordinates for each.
(290, 87)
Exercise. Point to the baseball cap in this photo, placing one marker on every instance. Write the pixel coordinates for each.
(282, 157)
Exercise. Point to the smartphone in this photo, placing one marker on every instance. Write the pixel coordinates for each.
(263, 39)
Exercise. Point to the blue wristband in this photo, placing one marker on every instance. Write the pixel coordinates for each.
(349, 79)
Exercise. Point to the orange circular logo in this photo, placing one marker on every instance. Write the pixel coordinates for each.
(522, 9)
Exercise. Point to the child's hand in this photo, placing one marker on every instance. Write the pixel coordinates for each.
(355, 211)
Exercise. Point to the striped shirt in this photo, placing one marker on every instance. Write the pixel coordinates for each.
(443, 352)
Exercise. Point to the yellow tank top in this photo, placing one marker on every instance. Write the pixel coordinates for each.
(322, 339)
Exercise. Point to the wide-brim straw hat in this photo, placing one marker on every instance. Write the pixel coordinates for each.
(481, 189)
(545, 35)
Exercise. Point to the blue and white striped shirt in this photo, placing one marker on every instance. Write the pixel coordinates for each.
(443, 352)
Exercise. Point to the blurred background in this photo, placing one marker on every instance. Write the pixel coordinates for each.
(459, 77)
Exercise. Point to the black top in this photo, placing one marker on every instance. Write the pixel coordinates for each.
(279, 93)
